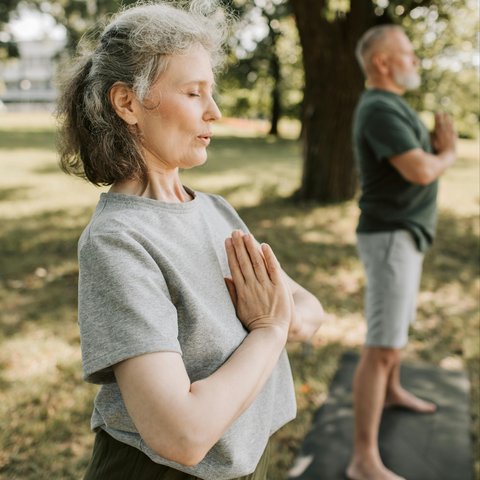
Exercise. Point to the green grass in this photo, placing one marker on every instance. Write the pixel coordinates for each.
(44, 404)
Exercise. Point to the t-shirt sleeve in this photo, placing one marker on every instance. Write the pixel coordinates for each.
(389, 133)
(124, 307)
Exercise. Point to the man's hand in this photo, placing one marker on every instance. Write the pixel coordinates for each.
(420, 167)
(444, 136)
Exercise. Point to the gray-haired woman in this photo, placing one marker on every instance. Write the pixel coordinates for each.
(183, 323)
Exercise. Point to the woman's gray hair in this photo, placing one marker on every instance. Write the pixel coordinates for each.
(94, 142)
(369, 40)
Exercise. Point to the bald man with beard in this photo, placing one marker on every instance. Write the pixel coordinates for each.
(399, 164)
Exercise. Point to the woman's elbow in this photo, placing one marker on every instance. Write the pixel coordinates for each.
(185, 455)
(319, 316)
(190, 458)
(185, 450)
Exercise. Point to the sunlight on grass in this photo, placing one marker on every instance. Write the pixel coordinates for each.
(45, 405)
(460, 187)
(18, 121)
(34, 355)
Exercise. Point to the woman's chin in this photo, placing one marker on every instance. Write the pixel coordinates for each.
(194, 162)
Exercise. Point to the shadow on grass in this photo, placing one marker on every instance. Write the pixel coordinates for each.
(38, 270)
(27, 139)
(55, 442)
(48, 169)
(255, 152)
(48, 242)
(39, 241)
(455, 254)
(10, 194)
(38, 288)
(451, 271)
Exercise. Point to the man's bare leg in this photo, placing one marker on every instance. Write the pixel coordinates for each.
(369, 388)
(397, 396)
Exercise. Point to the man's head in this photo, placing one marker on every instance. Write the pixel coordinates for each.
(387, 59)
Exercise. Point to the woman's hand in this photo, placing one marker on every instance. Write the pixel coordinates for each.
(258, 289)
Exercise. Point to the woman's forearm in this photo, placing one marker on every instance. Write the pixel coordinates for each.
(308, 318)
(222, 397)
(181, 421)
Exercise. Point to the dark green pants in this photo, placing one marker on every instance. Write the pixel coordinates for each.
(114, 460)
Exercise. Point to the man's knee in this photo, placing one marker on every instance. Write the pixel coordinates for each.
(383, 357)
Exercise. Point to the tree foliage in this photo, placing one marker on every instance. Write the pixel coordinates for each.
(77, 16)
(265, 71)
(267, 78)
(443, 36)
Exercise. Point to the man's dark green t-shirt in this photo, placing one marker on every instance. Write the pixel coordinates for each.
(384, 126)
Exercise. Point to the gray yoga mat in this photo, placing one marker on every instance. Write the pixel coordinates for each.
(418, 447)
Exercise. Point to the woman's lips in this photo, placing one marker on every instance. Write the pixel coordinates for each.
(205, 139)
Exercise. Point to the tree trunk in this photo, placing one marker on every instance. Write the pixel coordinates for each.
(333, 83)
(276, 107)
(276, 74)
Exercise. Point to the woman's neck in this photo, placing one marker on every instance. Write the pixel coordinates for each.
(164, 186)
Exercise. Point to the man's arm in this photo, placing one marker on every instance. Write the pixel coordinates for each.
(422, 168)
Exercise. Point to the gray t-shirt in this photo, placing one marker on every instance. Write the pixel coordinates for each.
(152, 279)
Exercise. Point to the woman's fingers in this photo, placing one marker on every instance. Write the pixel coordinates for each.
(271, 262)
(256, 257)
(247, 261)
(231, 290)
(260, 296)
(243, 257)
(233, 263)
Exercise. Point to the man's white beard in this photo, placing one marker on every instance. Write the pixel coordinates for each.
(409, 81)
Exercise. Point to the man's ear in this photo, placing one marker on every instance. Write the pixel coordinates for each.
(380, 63)
(124, 102)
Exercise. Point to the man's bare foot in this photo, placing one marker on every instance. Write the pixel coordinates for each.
(370, 471)
(404, 399)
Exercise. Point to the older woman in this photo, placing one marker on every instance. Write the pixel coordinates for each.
(183, 323)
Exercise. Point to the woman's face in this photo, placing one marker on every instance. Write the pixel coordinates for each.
(175, 121)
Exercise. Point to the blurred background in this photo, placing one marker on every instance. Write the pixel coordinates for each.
(282, 156)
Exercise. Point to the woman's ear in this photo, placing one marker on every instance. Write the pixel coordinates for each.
(124, 102)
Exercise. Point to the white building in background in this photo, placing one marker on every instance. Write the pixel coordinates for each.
(29, 80)
(30, 77)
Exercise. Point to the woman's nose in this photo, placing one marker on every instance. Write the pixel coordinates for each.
(213, 112)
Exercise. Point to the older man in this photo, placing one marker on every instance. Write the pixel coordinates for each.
(399, 171)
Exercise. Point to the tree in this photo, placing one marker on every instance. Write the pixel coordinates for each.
(275, 74)
(77, 16)
(8, 48)
(333, 82)
(444, 37)
(443, 34)
(263, 73)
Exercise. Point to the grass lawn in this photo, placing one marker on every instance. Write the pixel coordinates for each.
(45, 406)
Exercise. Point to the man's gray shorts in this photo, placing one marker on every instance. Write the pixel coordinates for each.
(393, 266)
